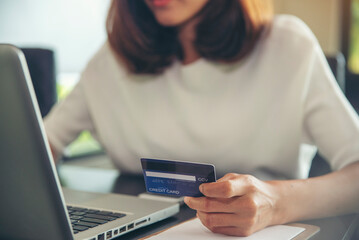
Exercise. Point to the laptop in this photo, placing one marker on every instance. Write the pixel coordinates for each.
(32, 202)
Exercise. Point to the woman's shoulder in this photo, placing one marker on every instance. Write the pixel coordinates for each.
(289, 29)
(288, 37)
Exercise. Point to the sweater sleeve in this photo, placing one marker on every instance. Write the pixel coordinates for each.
(69, 118)
(329, 120)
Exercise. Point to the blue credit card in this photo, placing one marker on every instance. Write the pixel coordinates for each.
(176, 178)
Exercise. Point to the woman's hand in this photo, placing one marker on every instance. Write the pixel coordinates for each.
(236, 205)
(241, 205)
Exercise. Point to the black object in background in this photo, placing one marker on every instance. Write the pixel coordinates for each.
(337, 64)
(41, 64)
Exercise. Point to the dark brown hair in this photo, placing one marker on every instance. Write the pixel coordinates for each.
(228, 30)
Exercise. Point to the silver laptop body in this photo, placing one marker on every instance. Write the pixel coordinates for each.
(32, 204)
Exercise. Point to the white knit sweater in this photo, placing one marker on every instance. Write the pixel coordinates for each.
(264, 113)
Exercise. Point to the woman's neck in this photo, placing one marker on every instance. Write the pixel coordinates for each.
(187, 36)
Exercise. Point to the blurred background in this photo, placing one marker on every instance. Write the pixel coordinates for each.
(59, 37)
(74, 29)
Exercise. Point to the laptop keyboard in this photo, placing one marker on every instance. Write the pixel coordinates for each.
(84, 218)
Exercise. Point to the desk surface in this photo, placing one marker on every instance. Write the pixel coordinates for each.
(108, 180)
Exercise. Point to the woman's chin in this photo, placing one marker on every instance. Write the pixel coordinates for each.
(168, 22)
(170, 18)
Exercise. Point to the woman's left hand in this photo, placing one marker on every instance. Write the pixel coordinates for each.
(236, 205)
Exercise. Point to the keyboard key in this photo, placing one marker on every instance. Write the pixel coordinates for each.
(87, 224)
(94, 220)
(106, 213)
(111, 214)
(92, 211)
(76, 217)
(78, 213)
(79, 228)
(103, 217)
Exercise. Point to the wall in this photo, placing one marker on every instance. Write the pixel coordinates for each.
(73, 28)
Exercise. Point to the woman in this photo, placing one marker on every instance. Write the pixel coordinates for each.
(223, 82)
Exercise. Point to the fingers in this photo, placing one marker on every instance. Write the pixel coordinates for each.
(235, 205)
(228, 176)
(205, 204)
(212, 220)
(247, 206)
(230, 185)
(227, 223)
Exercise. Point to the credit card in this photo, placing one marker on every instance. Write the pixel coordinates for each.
(176, 178)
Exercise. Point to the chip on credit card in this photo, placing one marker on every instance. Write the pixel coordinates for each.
(176, 178)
